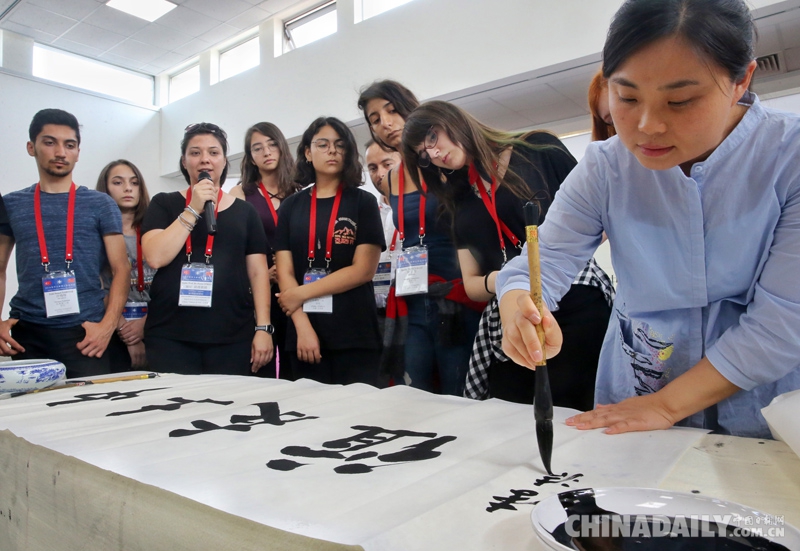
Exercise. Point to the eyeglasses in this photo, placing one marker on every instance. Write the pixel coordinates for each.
(259, 149)
(431, 137)
(323, 145)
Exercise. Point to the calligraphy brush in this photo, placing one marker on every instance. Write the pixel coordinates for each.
(74, 383)
(542, 399)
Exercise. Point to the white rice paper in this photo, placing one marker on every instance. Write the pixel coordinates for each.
(475, 490)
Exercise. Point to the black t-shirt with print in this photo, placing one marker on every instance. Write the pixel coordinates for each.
(354, 321)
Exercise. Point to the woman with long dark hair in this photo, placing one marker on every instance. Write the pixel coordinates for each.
(123, 181)
(267, 179)
(328, 244)
(484, 177)
(430, 347)
(209, 309)
(700, 197)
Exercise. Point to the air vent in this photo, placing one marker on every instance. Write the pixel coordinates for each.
(771, 64)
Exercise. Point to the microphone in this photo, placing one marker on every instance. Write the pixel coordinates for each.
(208, 208)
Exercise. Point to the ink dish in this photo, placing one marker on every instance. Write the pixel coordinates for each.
(644, 519)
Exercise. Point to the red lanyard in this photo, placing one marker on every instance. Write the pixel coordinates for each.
(268, 198)
(210, 240)
(394, 240)
(37, 211)
(312, 226)
(139, 264)
(400, 220)
(491, 206)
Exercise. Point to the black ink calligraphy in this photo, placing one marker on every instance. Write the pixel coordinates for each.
(270, 414)
(177, 403)
(351, 449)
(111, 396)
(564, 479)
(523, 496)
(517, 496)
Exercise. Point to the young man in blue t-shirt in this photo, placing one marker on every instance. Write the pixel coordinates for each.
(64, 234)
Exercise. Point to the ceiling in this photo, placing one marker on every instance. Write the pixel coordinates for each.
(554, 97)
(92, 29)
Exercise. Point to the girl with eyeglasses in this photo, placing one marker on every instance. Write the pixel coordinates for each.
(430, 347)
(267, 179)
(484, 177)
(209, 310)
(699, 194)
(123, 181)
(328, 243)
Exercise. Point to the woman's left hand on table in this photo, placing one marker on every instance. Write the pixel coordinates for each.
(638, 413)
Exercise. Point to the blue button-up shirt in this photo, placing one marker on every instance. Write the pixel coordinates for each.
(707, 265)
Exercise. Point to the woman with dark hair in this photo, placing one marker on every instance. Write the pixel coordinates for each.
(430, 347)
(328, 244)
(267, 179)
(484, 177)
(602, 125)
(123, 181)
(209, 316)
(700, 197)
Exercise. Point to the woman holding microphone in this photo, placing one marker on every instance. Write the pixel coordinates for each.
(203, 316)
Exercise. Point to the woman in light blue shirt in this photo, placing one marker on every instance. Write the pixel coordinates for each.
(700, 197)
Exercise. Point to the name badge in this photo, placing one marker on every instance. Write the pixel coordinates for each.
(319, 305)
(134, 310)
(412, 271)
(197, 282)
(60, 294)
(383, 278)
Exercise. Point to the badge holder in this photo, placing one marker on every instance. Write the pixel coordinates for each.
(60, 293)
(383, 278)
(197, 282)
(134, 310)
(319, 305)
(412, 271)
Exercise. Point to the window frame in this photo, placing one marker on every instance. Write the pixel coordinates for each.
(253, 36)
(89, 62)
(304, 18)
(193, 64)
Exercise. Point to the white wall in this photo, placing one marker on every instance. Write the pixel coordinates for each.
(434, 47)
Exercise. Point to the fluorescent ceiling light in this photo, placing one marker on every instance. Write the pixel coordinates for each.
(149, 10)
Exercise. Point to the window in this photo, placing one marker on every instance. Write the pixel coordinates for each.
(92, 75)
(185, 83)
(240, 58)
(310, 26)
(371, 8)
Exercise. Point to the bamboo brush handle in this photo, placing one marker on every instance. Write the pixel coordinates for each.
(532, 239)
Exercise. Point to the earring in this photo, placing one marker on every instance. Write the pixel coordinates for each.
(449, 173)
(308, 161)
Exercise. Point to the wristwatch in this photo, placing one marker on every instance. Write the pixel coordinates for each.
(267, 328)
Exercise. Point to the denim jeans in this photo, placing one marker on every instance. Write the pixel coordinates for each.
(425, 354)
